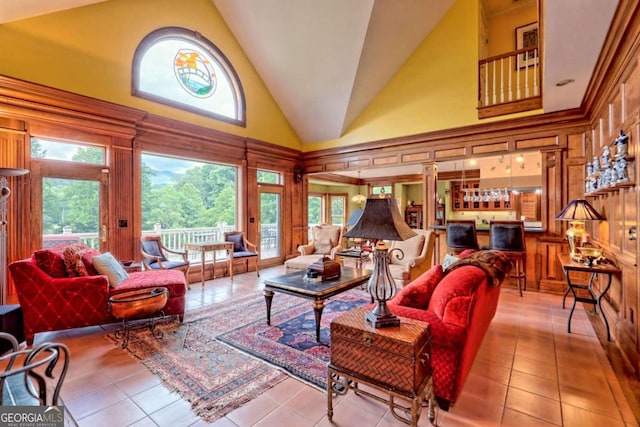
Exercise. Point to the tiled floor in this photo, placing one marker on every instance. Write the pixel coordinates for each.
(529, 372)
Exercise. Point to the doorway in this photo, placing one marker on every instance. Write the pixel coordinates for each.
(270, 226)
(72, 200)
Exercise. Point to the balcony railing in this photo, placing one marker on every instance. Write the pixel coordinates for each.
(509, 83)
(175, 239)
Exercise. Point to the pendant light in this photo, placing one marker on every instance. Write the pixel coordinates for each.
(359, 199)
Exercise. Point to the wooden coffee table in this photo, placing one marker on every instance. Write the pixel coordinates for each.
(298, 285)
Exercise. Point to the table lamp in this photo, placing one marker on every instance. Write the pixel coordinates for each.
(577, 212)
(381, 221)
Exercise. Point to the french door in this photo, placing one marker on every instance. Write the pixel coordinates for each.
(270, 226)
(72, 201)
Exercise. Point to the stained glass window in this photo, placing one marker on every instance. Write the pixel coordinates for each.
(181, 68)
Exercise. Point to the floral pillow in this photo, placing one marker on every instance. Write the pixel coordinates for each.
(72, 256)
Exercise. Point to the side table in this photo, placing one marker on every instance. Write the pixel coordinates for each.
(393, 360)
(131, 267)
(569, 265)
(137, 304)
(204, 247)
(359, 256)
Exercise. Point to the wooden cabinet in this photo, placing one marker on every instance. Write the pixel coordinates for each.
(474, 198)
(413, 216)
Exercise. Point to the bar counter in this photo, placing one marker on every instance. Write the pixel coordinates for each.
(531, 234)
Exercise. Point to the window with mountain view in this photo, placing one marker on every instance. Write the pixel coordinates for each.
(181, 68)
(186, 200)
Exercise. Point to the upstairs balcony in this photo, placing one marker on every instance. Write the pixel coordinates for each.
(510, 83)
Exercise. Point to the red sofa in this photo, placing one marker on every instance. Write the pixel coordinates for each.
(52, 301)
(458, 304)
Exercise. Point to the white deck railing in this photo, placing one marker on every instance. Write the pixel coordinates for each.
(175, 239)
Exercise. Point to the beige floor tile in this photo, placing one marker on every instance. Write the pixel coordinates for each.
(253, 411)
(578, 417)
(513, 418)
(534, 405)
(176, 414)
(528, 367)
(535, 384)
(122, 413)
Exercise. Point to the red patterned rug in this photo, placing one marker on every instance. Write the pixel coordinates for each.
(195, 359)
(290, 342)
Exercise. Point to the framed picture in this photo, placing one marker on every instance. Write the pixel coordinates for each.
(527, 37)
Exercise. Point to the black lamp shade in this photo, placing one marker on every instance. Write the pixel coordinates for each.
(381, 220)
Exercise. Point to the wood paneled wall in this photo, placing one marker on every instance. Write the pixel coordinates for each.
(28, 109)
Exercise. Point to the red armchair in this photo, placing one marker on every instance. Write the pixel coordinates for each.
(459, 304)
(52, 301)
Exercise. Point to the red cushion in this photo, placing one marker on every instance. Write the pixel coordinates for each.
(88, 262)
(50, 262)
(418, 293)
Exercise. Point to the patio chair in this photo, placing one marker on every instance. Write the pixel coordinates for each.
(155, 256)
(245, 253)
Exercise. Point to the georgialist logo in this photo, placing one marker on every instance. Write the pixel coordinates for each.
(195, 73)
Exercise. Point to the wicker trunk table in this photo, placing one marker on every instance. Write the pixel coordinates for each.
(393, 360)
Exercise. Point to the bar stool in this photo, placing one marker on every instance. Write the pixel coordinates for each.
(461, 235)
(508, 237)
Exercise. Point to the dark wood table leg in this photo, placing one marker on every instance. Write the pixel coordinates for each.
(268, 297)
(318, 306)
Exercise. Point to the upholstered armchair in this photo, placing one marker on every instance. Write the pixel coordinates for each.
(326, 241)
(245, 253)
(418, 256)
(155, 256)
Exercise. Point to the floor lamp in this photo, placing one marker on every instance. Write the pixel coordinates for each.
(4, 197)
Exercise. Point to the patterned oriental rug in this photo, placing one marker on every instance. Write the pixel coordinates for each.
(224, 355)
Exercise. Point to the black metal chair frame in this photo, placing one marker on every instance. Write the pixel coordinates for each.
(35, 365)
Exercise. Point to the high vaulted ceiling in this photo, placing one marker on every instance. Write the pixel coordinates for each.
(325, 60)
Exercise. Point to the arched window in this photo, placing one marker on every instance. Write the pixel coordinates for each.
(181, 68)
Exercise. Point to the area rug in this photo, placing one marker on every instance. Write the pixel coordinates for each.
(290, 342)
(196, 358)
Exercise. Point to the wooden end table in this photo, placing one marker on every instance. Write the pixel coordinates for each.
(204, 247)
(608, 270)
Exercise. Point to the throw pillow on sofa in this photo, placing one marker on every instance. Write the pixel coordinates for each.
(109, 266)
(72, 256)
(50, 262)
(418, 293)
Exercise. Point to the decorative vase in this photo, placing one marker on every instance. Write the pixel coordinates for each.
(575, 235)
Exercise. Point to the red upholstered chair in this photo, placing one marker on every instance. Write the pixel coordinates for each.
(458, 304)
